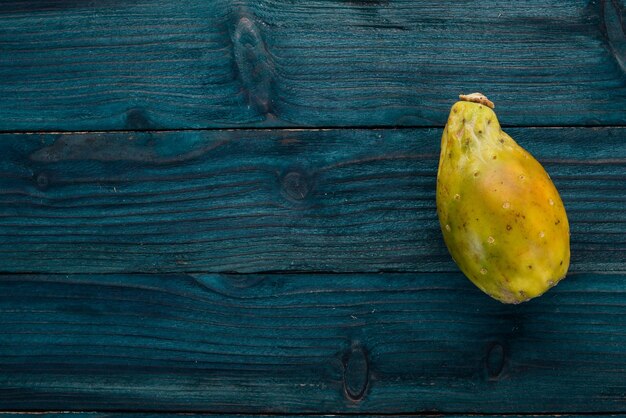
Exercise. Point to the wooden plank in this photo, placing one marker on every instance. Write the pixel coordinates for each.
(251, 201)
(110, 64)
(318, 343)
(71, 414)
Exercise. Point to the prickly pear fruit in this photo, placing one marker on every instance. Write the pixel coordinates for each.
(502, 219)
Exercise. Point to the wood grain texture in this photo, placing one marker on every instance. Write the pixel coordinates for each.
(71, 414)
(76, 65)
(319, 343)
(251, 201)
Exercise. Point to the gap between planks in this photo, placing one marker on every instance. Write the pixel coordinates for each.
(142, 413)
(293, 129)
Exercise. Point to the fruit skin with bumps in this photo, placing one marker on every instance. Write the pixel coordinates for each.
(501, 216)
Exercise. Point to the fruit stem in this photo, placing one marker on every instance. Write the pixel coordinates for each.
(477, 98)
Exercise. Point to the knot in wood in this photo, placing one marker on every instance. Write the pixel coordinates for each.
(613, 28)
(137, 119)
(42, 181)
(254, 64)
(495, 360)
(355, 373)
(296, 186)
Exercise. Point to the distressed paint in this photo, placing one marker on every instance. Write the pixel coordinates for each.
(330, 343)
(272, 200)
(111, 64)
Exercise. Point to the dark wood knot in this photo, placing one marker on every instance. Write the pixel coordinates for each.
(355, 373)
(42, 181)
(296, 186)
(233, 285)
(254, 64)
(495, 360)
(243, 281)
(612, 25)
(137, 119)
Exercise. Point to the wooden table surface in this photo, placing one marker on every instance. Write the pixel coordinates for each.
(228, 207)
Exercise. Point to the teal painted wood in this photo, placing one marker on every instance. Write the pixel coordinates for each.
(250, 201)
(320, 343)
(111, 64)
(69, 414)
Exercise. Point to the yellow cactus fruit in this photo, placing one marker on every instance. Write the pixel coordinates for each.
(501, 216)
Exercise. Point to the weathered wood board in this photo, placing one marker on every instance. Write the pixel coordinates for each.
(301, 343)
(150, 64)
(272, 200)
